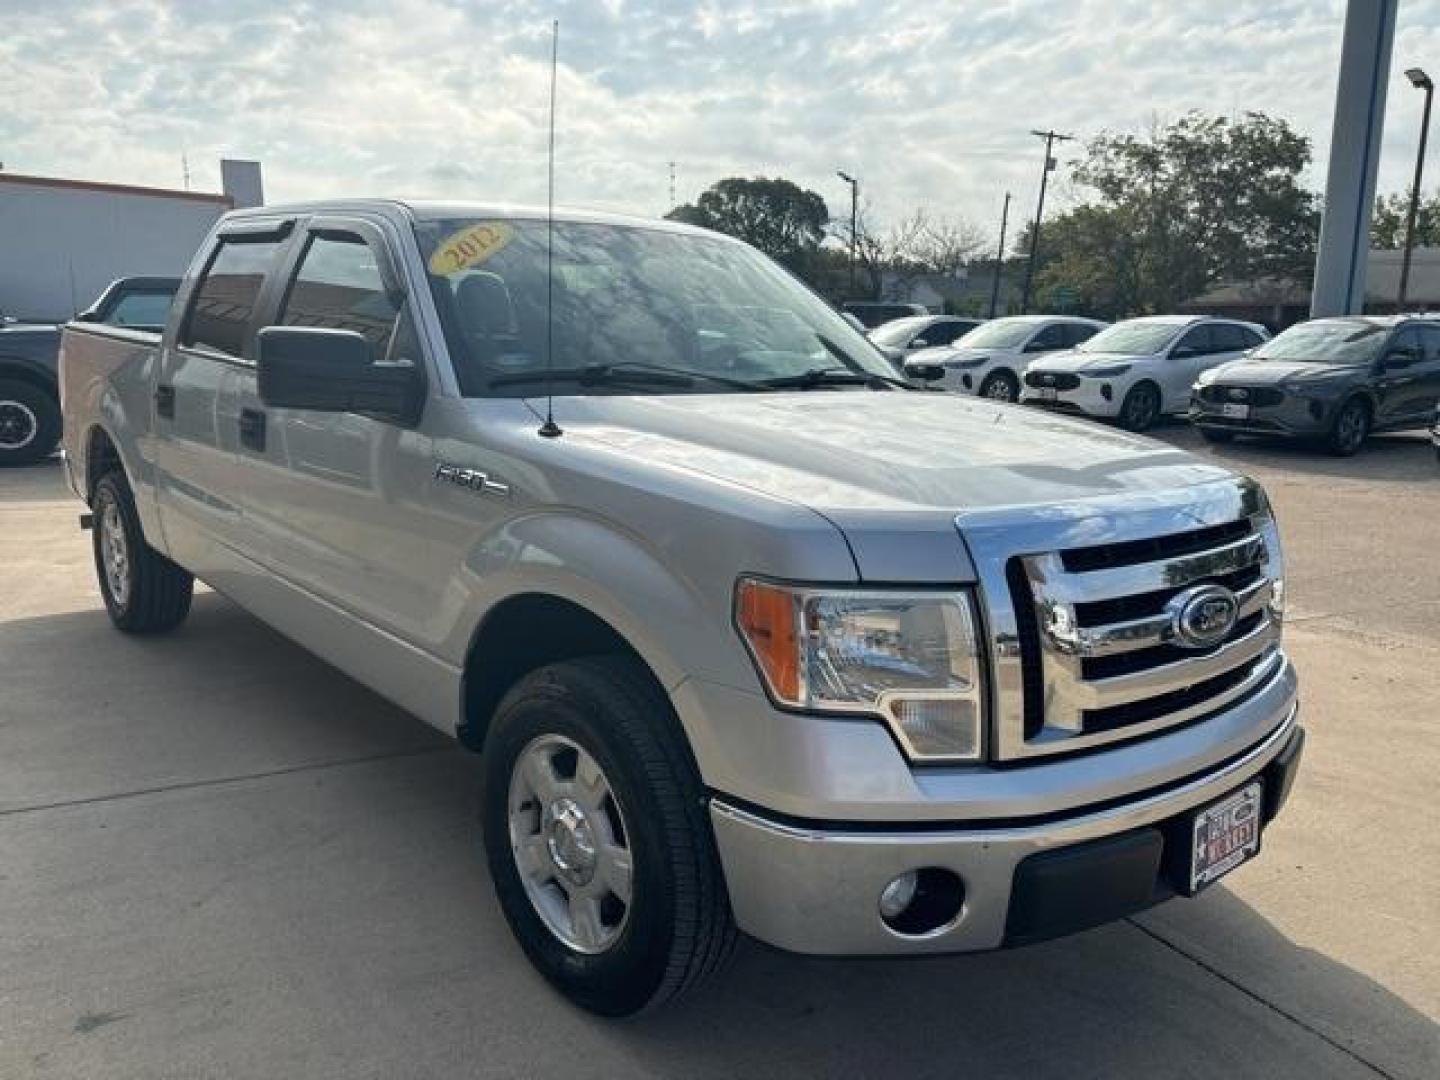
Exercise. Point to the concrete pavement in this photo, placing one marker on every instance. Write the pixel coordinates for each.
(219, 857)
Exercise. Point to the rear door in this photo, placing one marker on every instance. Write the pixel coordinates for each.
(194, 439)
(1427, 375)
(1398, 389)
(1194, 352)
(334, 501)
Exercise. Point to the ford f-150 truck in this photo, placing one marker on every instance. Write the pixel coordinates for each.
(752, 635)
(29, 396)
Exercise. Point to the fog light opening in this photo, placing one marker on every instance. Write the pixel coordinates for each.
(968, 381)
(1107, 391)
(921, 902)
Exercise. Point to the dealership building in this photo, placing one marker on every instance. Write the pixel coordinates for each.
(62, 241)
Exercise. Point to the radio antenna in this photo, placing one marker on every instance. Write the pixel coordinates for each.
(550, 429)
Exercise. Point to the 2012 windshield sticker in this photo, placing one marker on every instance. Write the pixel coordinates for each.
(469, 247)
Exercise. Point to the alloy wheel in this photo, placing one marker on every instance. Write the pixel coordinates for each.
(115, 553)
(570, 844)
(18, 425)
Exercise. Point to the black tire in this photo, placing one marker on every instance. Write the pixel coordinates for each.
(1349, 429)
(1216, 435)
(1000, 386)
(677, 927)
(144, 592)
(1141, 407)
(29, 423)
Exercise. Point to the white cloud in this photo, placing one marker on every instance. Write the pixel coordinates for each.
(928, 103)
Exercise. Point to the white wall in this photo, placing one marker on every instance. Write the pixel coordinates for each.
(60, 246)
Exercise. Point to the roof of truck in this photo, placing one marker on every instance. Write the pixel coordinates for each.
(434, 209)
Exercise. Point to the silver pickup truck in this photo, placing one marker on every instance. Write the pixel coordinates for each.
(753, 635)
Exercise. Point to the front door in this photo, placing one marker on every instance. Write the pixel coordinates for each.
(334, 502)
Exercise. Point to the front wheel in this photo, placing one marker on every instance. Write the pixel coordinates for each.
(598, 840)
(1141, 407)
(144, 592)
(1348, 432)
(29, 423)
(1000, 386)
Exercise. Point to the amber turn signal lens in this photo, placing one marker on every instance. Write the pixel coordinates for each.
(767, 616)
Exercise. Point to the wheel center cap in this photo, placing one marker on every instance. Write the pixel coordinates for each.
(570, 840)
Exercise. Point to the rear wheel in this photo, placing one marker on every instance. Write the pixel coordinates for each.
(29, 423)
(1141, 407)
(598, 840)
(1350, 427)
(1000, 386)
(144, 592)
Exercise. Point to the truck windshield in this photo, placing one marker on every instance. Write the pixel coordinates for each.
(628, 299)
(1326, 341)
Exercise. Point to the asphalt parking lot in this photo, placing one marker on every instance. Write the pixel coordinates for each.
(219, 857)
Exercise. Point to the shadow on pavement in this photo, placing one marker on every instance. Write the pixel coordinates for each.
(42, 482)
(1401, 457)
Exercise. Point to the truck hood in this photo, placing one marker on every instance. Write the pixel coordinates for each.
(890, 469)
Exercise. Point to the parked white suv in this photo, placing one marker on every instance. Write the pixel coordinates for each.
(900, 338)
(1139, 369)
(992, 359)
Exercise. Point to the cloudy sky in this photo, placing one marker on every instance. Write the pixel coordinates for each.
(929, 104)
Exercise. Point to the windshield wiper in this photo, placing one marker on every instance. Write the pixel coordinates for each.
(624, 372)
(832, 376)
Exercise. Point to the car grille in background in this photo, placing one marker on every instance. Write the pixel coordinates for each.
(1057, 380)
(1261, 396)
(1097, 656)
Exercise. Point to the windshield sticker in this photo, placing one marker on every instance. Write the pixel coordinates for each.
(469, 247)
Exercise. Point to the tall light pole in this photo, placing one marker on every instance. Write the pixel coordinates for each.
(854, 222)
(1420, 81)
(999, 257)
(1051, 138)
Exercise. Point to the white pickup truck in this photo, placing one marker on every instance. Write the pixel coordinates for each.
(753, 635)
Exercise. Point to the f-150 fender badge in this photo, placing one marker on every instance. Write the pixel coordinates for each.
(473, 479)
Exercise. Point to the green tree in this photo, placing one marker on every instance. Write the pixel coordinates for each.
(1387, 226)
(1190, 204)
(782, 219)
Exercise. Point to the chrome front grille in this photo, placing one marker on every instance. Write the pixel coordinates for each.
(1084, 615)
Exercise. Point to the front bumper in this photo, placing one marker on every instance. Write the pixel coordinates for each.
(1294, 416)
(815, 888)
(1087, 399)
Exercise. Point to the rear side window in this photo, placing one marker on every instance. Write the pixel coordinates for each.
(338, 285)
(1430, 338)
(225, 298)
(141, 309)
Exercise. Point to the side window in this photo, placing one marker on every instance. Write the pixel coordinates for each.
(1075, 333)
(1052, 337)
(1252, 338)
(1407, 338)
(1197, 340)
(1227, 337)
(225, 298)
(1430, 338)
(141, 309)
(338, 285)
(947, 332)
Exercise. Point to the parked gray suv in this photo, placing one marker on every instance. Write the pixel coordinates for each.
(1333, 380)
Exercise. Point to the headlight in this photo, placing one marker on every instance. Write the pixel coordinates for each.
(1105, 372)
(910, 658)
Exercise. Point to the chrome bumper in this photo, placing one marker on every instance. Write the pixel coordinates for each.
(816, 890)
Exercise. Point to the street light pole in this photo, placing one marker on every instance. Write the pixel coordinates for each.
(1051, 138)
(1420, 81)
(854, 222)
(999, 257)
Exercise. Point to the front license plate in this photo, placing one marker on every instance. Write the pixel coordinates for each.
(1235, 412)
(1224, 836)
(1049, 393)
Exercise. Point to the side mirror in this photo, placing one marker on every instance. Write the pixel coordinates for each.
(925, 371)
(1184, 352)
(1040, 346)
(919, 343)
(324, 370)
(88, 316)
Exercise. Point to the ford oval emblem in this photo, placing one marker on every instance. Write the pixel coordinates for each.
(1202, 616)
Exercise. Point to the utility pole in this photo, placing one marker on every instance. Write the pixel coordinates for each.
(854, 223)
(999, 257)
(1051, 138)
(1420, 81)
(185, 168)
(672, 184)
